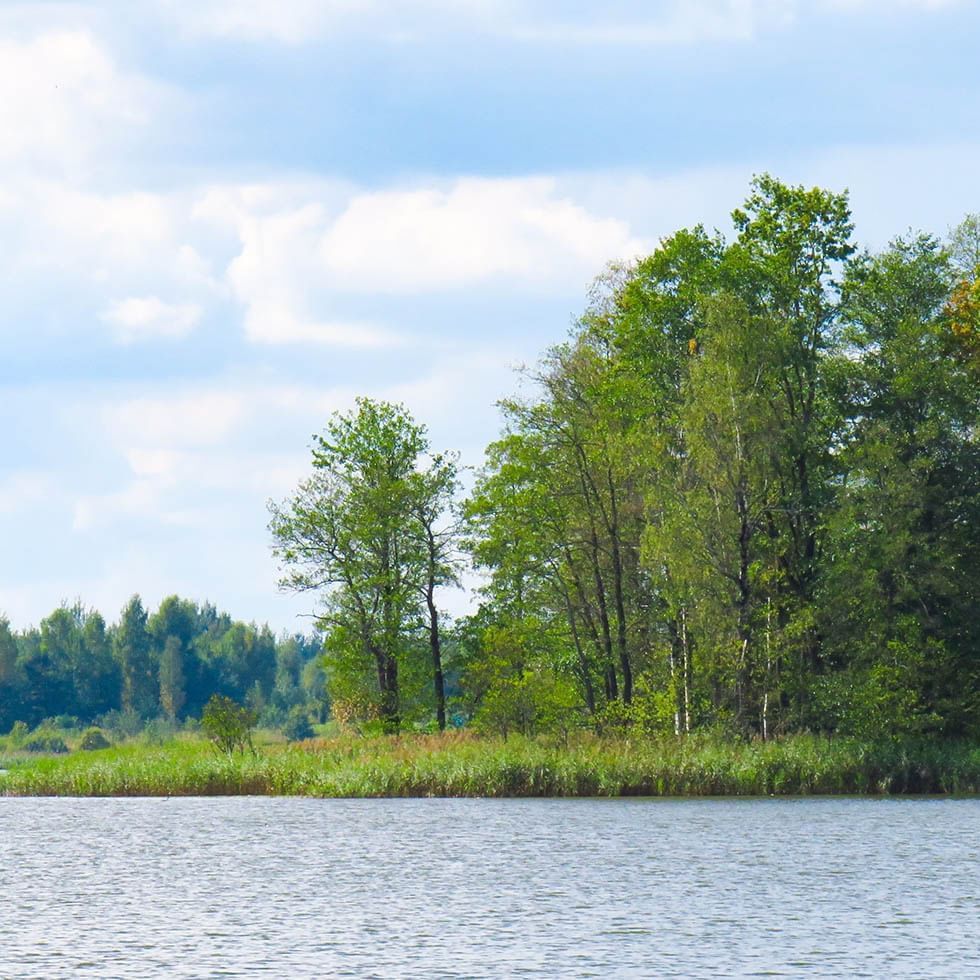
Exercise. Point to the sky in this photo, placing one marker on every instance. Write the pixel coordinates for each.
(223, 220)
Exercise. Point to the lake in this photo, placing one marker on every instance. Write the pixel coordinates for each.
(489, 888)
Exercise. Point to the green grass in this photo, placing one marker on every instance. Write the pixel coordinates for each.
(464, 765)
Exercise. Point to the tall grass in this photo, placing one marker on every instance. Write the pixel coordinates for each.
(463, 765)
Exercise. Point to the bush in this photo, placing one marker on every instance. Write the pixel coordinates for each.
(94, 739)
(40, 742)
(18, 734)
(297, 726)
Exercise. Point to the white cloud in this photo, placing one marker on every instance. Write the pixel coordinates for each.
(290, 22)
(141, 500)
(300, 250)
(274, 275)
(270, 323)
(62, 97)
(922, 5)
(288, 260)
(104, 234)
(476, 230)
(116, 254)
(144, 317)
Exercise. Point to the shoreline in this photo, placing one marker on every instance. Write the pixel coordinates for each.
(464, 766)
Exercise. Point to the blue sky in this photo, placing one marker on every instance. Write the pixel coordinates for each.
(222, 220)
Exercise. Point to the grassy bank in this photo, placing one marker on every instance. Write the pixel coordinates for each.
(462, 765)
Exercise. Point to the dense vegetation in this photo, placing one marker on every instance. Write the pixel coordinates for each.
(160, 667)
(744, 497)
(741, 501)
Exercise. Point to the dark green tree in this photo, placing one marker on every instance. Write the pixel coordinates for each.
(132, 648)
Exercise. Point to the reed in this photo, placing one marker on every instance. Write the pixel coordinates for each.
(459, 764)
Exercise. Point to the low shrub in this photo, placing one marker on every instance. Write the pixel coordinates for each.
(50, 744)
(93, 739)
(297, 727)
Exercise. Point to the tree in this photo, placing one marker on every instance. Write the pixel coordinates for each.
(10, 679)
(171, 676)
(556, 519)
(433, 495)
(964, 245)
(715, 535)
(228, 724)
(898, 596)
(355, 532)
(132, 649)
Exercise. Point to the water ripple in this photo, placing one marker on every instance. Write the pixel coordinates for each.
(489, 888)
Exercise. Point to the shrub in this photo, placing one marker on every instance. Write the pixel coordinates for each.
(41, 742)
(297, 726)
(94, 739)
(18, 734)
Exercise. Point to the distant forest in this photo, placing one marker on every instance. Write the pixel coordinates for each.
(75, 670)
(743, 497)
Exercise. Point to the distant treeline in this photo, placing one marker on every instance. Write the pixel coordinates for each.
(77, 669)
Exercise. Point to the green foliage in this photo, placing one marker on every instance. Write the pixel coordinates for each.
(298, 727)
(228, 724)
(745, 496)
(362, 531)
(171, 677)
(94, 739)
(47, 742)
(133, 652)
(73, 670)
(122, 724)
(19, 732)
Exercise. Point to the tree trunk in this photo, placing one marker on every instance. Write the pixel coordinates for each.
(435, 646)
(390, 715)
(686, 647)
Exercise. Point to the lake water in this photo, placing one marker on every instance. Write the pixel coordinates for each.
(489, 888)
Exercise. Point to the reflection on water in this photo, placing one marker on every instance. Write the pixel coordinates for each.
(489, 888)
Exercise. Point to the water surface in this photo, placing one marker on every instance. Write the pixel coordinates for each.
(489, 888)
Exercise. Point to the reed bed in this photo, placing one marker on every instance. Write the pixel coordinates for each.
(461, 765)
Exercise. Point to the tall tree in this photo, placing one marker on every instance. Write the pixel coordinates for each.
(10, 679)
(352, 532)
(171, 678)
(898, 596)
(132, 649)
(434, 495)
